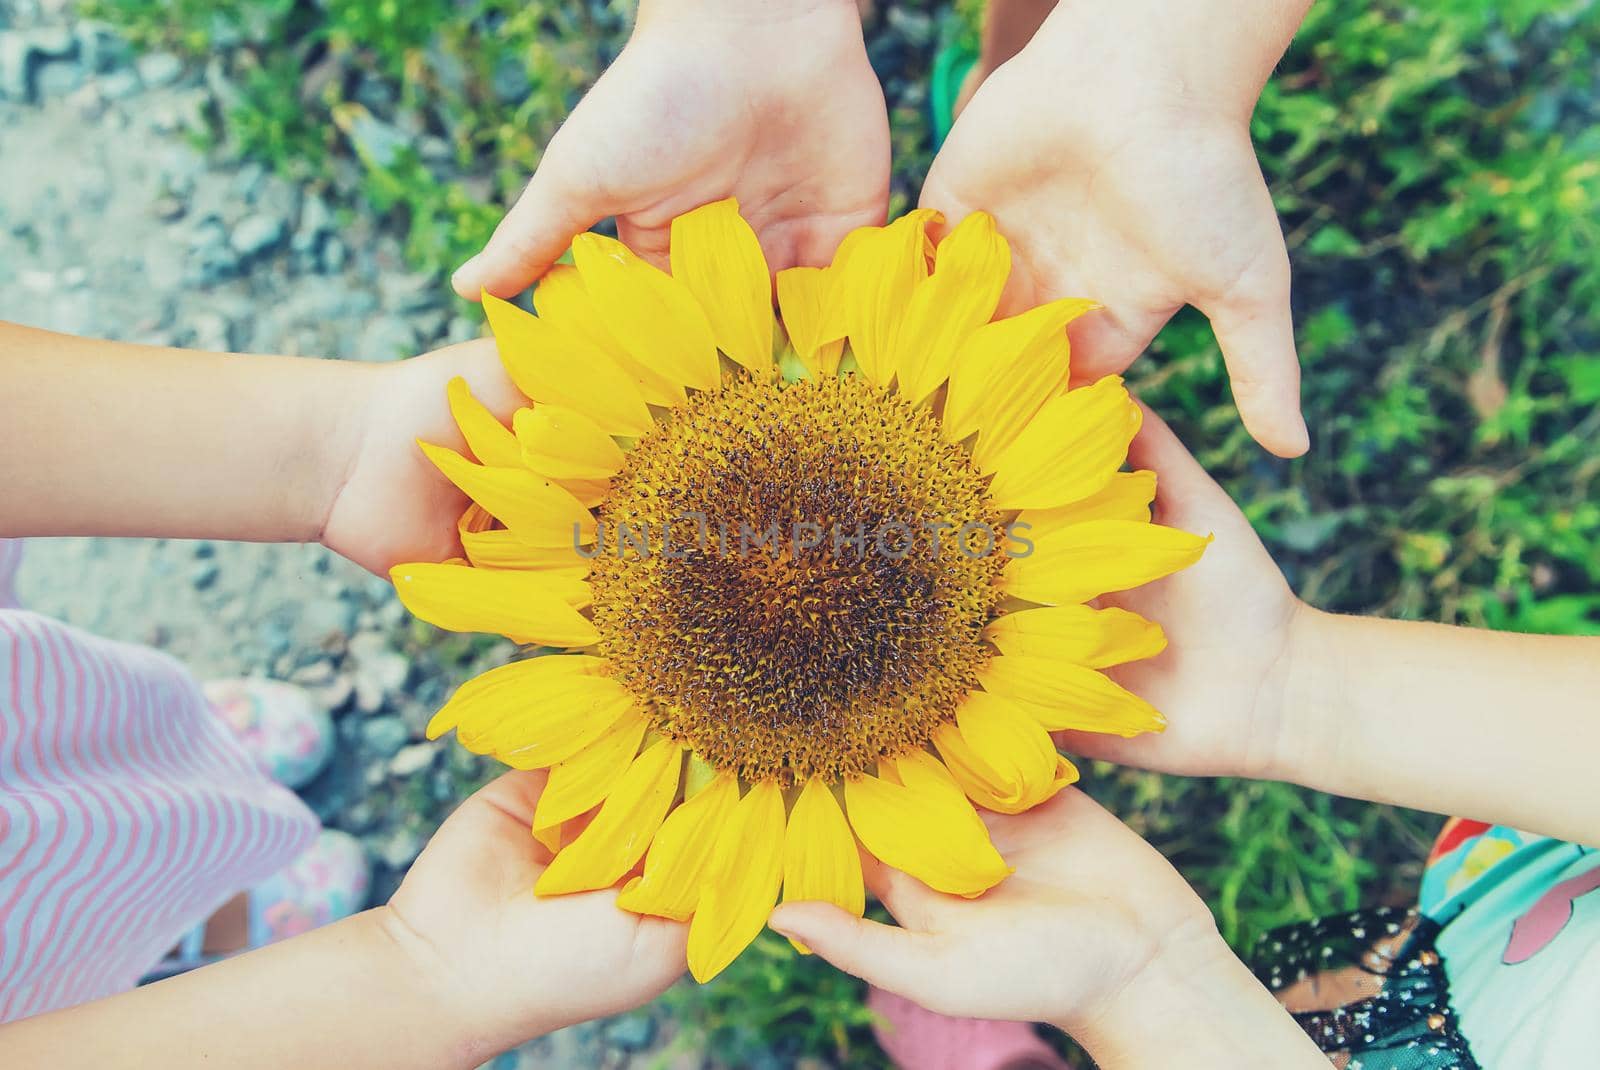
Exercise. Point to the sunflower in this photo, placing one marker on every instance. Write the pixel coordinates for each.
(808, 586)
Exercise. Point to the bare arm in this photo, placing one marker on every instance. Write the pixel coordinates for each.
(105, 438)
(346, 995)
(1490, 725)
(462, 963)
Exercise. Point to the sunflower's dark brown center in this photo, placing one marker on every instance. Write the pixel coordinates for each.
(783, 578)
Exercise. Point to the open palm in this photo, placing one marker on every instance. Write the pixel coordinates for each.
(519, 965)
(783, 113)
(1144, 205)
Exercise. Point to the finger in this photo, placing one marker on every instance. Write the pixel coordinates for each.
(882, 955)
(1183, 487)
(533, 234)
(514, 794)
(652, 243)
(1255, 329)
(908, 900)
(1105, 342)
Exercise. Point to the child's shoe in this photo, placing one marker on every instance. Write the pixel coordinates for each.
(918, 1039)
(282, 728)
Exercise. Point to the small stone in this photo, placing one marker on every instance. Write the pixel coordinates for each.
(324, 617)
(409, 293)
(401, 848)
(631, 1032)
(510, 80)
(59, 79)
(384, 736)
(99, 48)
(157, 69)
(257, 234)
(316, 674)
(335, 254)
(337, 694)
(119, 84)
(205, 575)
(203, 548)
(386, 338)
(211, 331)
(409, 761)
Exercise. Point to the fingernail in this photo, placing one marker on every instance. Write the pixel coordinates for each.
(465, 275)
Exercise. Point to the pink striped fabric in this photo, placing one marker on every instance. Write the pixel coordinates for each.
(128, 812)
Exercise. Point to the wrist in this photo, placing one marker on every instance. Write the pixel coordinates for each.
(339, 411)
(469, 1034)
(1195, 1004)
(1302, 688)
(1148, 57)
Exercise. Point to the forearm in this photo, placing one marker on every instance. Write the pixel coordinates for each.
(1202, 1009)
(1495, 726)
(344, 996)
(104, 438)
(1216, 54)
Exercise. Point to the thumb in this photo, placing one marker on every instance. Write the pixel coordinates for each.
(1256, 332)
(533, 234)
(884, 956)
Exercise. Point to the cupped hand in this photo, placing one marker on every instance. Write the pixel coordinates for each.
(772, 103)
(1233, 631)
(1089, 909)
(509, 965)
(393, 505)
(1146, 199)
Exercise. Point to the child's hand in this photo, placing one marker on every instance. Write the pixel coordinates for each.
(511, 966)
(1234, 632)
(1095, 933)
(771, 101)
(1136, 186)
(392, 505)
(1090, 907)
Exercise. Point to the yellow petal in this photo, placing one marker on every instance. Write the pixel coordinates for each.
(498, 691)
(820, 860)
(716, 254)
(1084, 561)
(500, 548)
(550, 365)
(589, 492)
(679, 863)
(1069, 450)
(582, 782)
(970, 269)
(877, 276)
(527, 605)
(924, 826)
(541, 513)
(530, 718)
(1091, 637)
(1061, 695)
(1126, 497)
(1005, 371)
(648, 311)
(803, 293)
(486, 436)
(561, 443)
(623, 828)
(746, 869)
(1001, 756)
(562, 299)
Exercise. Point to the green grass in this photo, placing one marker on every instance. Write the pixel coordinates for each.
(1437, 166)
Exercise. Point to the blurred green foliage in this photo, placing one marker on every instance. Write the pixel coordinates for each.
(1437, 166)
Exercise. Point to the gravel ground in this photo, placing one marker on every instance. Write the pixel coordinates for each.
(113, 225)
